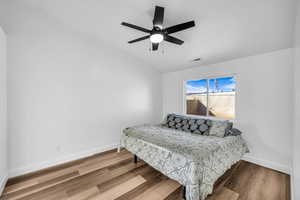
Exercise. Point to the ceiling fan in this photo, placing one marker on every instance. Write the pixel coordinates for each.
(158, 33)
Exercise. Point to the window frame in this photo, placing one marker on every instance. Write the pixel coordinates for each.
(184, 107)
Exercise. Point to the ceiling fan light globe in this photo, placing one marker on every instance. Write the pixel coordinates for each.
(156, 38)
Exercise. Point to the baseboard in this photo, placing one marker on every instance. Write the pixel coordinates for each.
(268, 164)
(67, 158)
(3, 181)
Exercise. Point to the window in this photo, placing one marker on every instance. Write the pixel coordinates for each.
(214, 97)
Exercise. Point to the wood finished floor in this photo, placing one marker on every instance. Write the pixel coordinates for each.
(114, 176)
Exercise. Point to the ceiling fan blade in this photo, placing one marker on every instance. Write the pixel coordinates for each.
(180, 27)
(155, 46)
(136, 27)
(158, 16)
(139, 39)
(174, 40)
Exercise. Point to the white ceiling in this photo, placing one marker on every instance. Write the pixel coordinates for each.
(225, 29)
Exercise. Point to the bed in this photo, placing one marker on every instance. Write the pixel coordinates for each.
(195, 161)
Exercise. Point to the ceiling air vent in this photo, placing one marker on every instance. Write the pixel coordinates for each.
(196, 59)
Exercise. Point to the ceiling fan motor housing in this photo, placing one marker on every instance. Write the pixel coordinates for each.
(157, 27)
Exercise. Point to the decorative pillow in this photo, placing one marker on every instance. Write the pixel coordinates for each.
(218, 128)
(178, 120)
(188, 124)
(208, 122)
(191, 121)
(233, 132)
(178, 125)
(203, 128)
(200, 121)
(170, 121)
(229, 127)
(194, 127)
(186, 128)
(171, 117)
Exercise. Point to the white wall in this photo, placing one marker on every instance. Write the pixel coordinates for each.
(296, 151)
(263, 102)
(3, 136)
(68, 94)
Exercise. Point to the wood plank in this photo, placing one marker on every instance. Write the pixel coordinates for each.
(90, 179)
(40, 187)
(176, 195)
(49, 184)
(138, 190)
(87, 168)
(224, 193)
(85, 194)
(224, 179)
(32, 184)
(121, 189)
(272, 186)
(159, 191)
(56, 174)
(55, 196)
(31, 175)
(109, 181)
(243, 174)
(20, 186)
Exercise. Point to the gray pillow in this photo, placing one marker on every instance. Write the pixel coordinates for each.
(218, 128)
(234, 132)
(209, 122)
(229, 127)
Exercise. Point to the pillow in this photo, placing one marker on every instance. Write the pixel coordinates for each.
(171, 117)
(173, 121)
(234, 132)
(168, 119)
(229, 127)
(218, 128)
(186, 128)
(188, 124)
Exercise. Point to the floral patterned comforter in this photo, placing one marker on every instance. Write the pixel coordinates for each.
(193, 160)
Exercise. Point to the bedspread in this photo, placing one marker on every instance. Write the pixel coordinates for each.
(195, 161)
